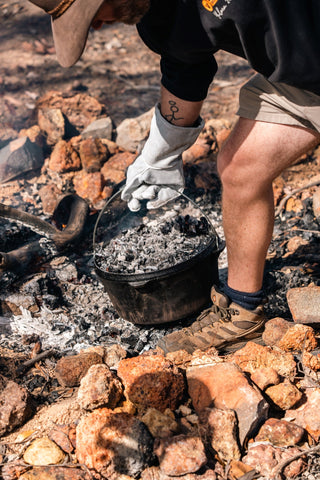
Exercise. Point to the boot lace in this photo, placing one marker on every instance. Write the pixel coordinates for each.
(204, 320)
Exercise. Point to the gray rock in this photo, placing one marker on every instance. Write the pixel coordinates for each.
(18, 157)
(100, 128)
(132, 133)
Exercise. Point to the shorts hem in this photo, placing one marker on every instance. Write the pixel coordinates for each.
(281, 119)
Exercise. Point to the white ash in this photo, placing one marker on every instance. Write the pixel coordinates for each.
(154, 246)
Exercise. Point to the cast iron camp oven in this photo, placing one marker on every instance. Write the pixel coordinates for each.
(167, 294)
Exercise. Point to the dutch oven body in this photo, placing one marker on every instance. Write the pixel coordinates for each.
(167, 295)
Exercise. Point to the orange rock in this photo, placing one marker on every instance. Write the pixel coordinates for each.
(89, 185)
(114, 170)
(264, 377)
(64, 158)
(93, 154)
(311, 361)
(152, 381)
(297, 338)
(274, 330)
(285, 395)
(238, 469)
(253, 356)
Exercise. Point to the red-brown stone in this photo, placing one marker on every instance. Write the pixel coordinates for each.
(70, 370)
(152, 381)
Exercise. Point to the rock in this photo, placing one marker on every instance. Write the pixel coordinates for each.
(159, 424)
(34, 134)
(54, 473)
(90, 186)
(280, 433)
(297, 338)
(114, 170)
(93, 154)
(114, 444)
(18, 157)
(188, 449)
(15, 406)
(304, 304)
(7, 135)
(80, 109)
(274, 330)
(311, 361)
(220, 429)
(152, 381)
(198, 150)
(265, 377)
(99, 388)
(225, 386)
(51, 121)
(154, 473)
(43, 451)
(64, 158)
(294, 243)
(285, 395)
(132, 133)
(49, 197)
(316, 204)
(180, 358)
(121, 160)
(238, 469)
(266, 458)
(100, 128)
(14, 470)
(253, 356)
(70, 370)
(308, 414)
(113, 354)
(64, 437)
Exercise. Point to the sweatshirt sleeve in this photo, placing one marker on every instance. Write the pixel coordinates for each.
(188, 81)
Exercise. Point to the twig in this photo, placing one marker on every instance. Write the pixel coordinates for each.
(29, 363)
(277, 470)
(283, 201)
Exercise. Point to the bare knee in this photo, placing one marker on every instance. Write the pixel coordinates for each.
(241, 176)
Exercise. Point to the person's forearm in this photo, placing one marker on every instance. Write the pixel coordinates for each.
(177, 111)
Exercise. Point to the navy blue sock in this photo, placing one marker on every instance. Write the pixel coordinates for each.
(249, 301)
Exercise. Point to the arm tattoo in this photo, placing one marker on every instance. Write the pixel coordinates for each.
(173, 109)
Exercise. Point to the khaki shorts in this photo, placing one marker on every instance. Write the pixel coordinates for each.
(264, 101)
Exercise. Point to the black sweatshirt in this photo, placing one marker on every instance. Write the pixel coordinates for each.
(279, 38)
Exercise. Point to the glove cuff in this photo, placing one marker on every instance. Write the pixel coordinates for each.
(166, 142)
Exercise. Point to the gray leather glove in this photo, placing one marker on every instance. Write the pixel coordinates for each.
(159, 166)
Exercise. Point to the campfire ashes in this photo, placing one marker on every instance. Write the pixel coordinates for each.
(154, 246)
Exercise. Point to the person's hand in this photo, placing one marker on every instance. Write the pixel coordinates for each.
(159, 166)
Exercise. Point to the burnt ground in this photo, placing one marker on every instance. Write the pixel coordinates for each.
(123, 74)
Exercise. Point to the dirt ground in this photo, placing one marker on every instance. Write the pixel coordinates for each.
(117, 68)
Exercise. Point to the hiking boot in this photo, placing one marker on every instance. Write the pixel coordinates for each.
(220, 326)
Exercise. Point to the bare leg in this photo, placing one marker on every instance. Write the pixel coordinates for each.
(253, 156)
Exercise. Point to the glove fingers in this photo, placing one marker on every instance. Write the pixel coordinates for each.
(145, 192)
(164, 196)
(134, 205)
